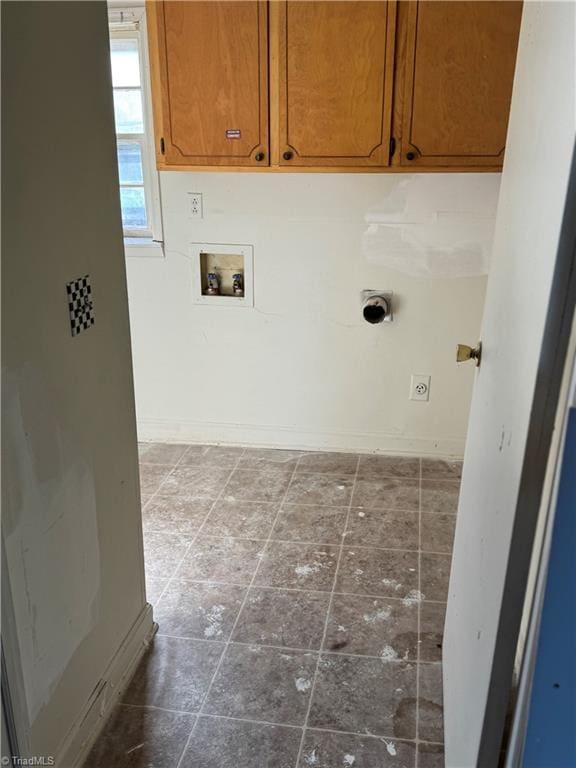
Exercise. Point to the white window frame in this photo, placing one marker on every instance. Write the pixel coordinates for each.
(129, 23)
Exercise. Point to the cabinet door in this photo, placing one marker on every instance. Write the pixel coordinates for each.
(210, 81)
(459, 68)
(335, 66)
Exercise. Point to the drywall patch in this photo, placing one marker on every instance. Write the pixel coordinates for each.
(434, 225)
(51, 536)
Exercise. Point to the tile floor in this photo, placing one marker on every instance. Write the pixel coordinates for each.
(300, 599)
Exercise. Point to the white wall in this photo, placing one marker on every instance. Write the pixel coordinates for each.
(71, 519)
(302, 369)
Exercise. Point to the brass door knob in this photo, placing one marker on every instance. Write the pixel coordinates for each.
(464, 352)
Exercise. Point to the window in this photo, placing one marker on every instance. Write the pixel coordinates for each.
(139, 189)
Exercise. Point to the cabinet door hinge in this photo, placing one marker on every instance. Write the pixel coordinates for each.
(392, 146)
(162, 147)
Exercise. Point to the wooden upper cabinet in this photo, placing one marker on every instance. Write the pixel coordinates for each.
(459, 60)
(209, 66)
(335, 65)
(325, 84)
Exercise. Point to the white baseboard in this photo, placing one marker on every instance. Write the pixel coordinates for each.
(265, 436)
(93, 716)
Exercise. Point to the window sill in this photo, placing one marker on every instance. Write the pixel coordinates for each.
(143, 248)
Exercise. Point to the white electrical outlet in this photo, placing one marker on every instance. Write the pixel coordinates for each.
(419, 387)
(195, 205)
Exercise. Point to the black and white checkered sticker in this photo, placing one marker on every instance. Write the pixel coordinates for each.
(80, 304)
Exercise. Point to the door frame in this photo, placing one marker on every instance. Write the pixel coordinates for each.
(14, 708)
(552, 359)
